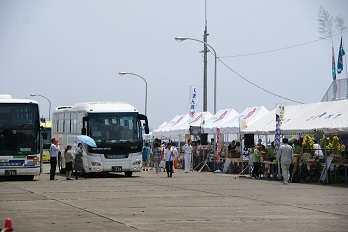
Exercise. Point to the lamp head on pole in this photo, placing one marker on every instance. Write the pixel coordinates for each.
(123, 73)
(180, 39)
(32, 94)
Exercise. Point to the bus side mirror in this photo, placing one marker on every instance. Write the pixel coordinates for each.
(83, 131)
(144, 118)
(146, 128)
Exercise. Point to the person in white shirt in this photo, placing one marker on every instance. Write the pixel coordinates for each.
(169, 159)
(317, 150)
(285, 154)
(54, 149)
(187, 155)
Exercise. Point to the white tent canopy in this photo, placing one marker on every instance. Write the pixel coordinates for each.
(263, 126)
(180, 124)
(247, 117)
(327, 117)
(183, 128)
(221, 117)
(267, 124)
(164, 129)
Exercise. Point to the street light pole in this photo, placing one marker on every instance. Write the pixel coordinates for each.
(49, 109)
(180, 39)
(125, 73)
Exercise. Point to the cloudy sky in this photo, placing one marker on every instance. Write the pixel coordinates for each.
(71, 51)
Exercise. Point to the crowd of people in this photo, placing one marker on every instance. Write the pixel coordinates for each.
(289, 155)
(165, 156)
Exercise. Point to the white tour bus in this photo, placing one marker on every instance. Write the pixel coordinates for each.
(115, 127)
(20, 138)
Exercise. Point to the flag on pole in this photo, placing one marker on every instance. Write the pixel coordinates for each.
(277, 136)
(341, 53)
(333, 65)
(218, 154)
(279, 119)
(193, 102)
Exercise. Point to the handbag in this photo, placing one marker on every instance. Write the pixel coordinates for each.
(162, 164)
(175, 163)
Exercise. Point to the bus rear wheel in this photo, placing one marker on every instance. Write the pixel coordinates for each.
(128, 174)
(60, 165)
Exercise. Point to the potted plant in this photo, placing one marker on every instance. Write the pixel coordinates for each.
(334, 146)
(307, 144)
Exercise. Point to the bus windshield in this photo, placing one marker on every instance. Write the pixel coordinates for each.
(19, 129)
(19, 116)
(114, 128)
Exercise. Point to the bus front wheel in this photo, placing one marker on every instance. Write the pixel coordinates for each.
(128, 174)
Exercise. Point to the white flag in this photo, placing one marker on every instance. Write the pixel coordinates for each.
(193, 102)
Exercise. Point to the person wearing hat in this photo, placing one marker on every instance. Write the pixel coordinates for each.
(256, 162)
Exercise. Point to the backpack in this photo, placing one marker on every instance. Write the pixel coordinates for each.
(144, 152)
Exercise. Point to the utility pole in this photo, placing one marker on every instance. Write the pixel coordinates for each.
(205, 62)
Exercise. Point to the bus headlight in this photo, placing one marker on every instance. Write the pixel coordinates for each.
(96, 164)
(137, 162)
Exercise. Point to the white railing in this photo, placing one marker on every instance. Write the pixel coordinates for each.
(338, 90)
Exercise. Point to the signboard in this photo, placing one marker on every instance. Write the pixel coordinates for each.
(326, 169)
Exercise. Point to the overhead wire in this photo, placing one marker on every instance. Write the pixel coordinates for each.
(277, 95)
(280, 49)
(263, 52)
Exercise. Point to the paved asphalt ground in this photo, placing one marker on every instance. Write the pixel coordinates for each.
(186, 202)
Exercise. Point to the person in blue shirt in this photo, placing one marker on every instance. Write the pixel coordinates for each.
(146, 154)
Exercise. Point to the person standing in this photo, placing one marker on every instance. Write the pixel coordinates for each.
(256, 162)
(187, 155)
(68, 162)
(78, 162)
(157, 155)
(169, 159)
(285, 154)
(146, 155)
(271, 151)
(54, 149)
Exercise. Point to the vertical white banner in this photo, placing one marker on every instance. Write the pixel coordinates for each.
(193, 102)
(280, 111)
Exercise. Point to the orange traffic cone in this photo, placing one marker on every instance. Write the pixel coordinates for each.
(8, 224)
